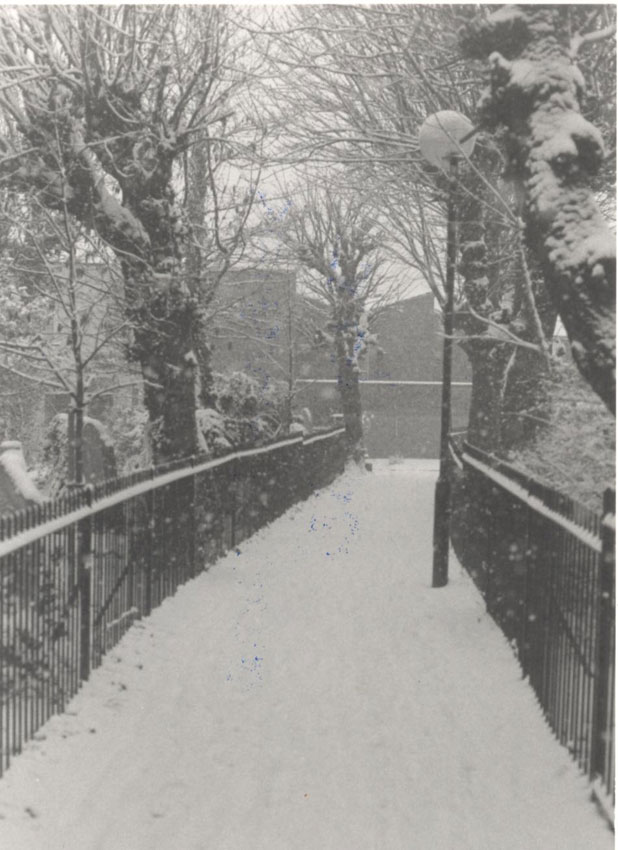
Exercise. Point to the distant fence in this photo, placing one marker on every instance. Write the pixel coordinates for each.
(545, 566)
(76, 572)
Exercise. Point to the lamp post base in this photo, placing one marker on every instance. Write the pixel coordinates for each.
(441, 532)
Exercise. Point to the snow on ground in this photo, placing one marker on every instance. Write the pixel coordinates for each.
(309, 692)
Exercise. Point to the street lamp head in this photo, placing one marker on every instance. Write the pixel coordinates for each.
(440, 137)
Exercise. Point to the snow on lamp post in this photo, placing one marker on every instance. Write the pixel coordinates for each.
(443, 139)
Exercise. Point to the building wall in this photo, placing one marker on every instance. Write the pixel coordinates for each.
(399, 420)
(249, 330)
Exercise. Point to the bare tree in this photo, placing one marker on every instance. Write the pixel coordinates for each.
(220, 190)
(63, 327)
(335, 237)
(554, 152)
(375, 74)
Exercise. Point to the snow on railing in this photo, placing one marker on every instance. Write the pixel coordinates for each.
(76, 572)
(545, 566)
(590, 538)
(31, 535)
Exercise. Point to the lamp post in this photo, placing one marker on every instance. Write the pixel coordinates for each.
(443, 139)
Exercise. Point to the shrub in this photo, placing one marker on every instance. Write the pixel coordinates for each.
(574, 451)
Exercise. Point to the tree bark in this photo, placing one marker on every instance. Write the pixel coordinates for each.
(163, 345)
(489, 364)
(346, 316)
(486, 349)
(101, 130)
(349, 389)
(535, 90)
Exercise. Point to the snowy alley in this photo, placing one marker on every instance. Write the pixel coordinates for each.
(309, 692)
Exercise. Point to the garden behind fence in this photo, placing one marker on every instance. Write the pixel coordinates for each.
(76, 572)
(545, 566)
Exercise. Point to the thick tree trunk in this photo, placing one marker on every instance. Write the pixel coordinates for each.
(165, 319)
(141, 224)
(349, 389)
(534, 91)
(489, 371)
(484, 346)
(163, 345)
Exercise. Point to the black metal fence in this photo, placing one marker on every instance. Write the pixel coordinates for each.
(75, 573)
(545, 566)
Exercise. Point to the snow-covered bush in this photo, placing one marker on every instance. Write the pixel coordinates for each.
(52, 470)
(247, 413)
(98, 456)
(211, 431)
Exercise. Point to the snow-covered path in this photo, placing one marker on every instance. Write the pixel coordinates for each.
(310, 692)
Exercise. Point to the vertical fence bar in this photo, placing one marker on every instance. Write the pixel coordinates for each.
(69, 595)
(566, 637)
(232, 484)
(148, 551)
(605, 641)
(84, 537)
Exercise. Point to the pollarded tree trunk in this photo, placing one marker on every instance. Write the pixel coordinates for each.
(145, 233)
(535, 93)
(349, 389)
(347, 349)
(163, 345)
(97, 134)
(333, 237)
(150, 238)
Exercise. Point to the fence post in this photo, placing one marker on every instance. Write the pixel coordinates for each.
(149, 540)
(193, 544)
(84, 566)
(189, 490)
(537, 623)
(605, 631)
(530, 599)
(232, 484)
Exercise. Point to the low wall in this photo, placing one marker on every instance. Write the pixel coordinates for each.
(400, 418)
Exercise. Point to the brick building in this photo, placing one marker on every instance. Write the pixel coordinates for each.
(264, 326)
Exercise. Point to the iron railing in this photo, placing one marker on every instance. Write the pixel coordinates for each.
(76, 572)
(545, 566)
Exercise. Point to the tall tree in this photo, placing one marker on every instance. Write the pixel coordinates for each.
(335, 237)
(100, 103)
(554, 152)
(376, 72)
